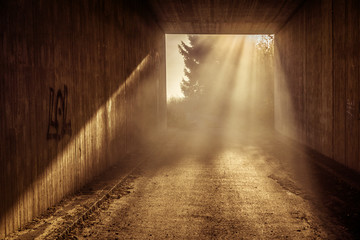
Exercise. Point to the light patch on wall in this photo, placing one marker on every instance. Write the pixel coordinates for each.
(83, 155)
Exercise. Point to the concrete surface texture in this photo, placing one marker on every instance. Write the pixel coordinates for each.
(223, 16)
(83, 84)
(256, 187)
(73, 76)
(317, 79)
(229, 197)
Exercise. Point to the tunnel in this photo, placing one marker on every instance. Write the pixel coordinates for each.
(83, 85)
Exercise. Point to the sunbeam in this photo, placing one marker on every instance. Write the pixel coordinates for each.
(234, 102)
(234, 77)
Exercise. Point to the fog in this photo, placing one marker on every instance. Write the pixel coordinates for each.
(232, 81)
(229, 99)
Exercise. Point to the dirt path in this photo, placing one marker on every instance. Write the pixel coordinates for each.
(236, 191)
(208, 186)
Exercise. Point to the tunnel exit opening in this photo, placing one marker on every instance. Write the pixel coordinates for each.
(219, 82)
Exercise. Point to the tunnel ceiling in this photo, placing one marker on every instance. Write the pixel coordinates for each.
(223, 16)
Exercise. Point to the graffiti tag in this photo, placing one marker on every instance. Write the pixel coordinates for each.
(58, 125)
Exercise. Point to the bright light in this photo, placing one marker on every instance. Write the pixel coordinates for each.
(174, 65)
(235, 80)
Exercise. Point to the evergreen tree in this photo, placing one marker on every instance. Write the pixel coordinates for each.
(194, 55)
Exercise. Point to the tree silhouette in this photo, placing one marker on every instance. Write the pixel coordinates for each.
(194, 55)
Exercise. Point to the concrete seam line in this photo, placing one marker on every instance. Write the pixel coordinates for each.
(96, 204)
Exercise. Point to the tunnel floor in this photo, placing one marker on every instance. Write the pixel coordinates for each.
(248, 187)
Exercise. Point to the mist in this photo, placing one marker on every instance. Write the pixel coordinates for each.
(229, 89)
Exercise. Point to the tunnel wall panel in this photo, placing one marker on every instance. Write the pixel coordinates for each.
(317, 79)
(327, 101)
(352, 56)
(339, 71)
(71, 73)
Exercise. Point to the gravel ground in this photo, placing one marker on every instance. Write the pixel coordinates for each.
(243, 189)
(198, 186)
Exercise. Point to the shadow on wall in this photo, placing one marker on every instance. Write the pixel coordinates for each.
(56, 139)
(102, 138)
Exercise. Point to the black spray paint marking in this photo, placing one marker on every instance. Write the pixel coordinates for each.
(58, 125)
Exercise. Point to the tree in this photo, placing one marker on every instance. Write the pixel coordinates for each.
(265, 44)
(194, 56)
(265, 59)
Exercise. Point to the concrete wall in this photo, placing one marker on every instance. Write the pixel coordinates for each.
(81, 82)
(317, 79)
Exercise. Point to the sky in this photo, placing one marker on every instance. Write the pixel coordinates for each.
(174, 65)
